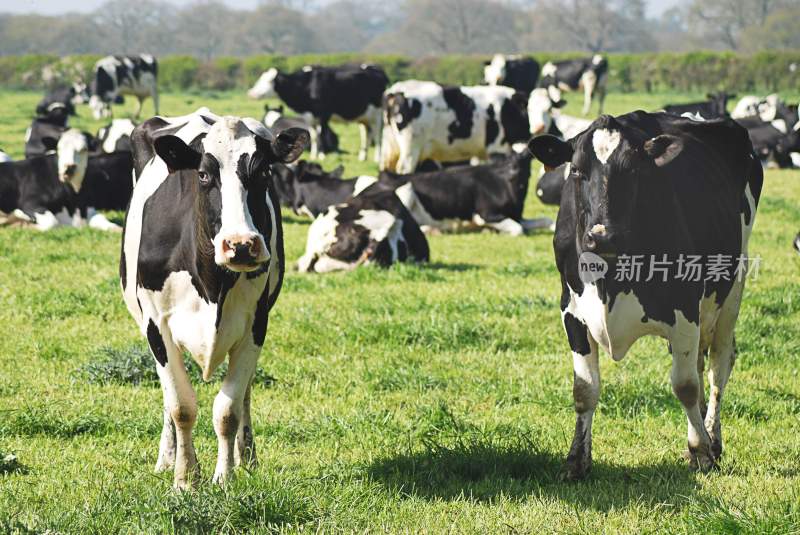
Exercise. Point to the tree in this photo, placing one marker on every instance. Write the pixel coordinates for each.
(204, 28)
(779, 31)
(135, 27)
(722, 22)
(275, 29)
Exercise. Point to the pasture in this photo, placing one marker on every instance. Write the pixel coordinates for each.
(433, 398)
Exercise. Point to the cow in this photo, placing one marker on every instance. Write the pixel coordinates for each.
(323, 139)
(311, 191)
(201, 267)
(516, 72)
(425, 120)
(63, 97)
(371, 228)
(544, 115)
(347, 93)
(108, 182)
(753, 106)
(589, 74)
(50, 190)
(116, 137)
(284, 176)
(715, 106)
(42, 136)
(115, 76)
(773, 145)
(550, 183)
(481, 196)
(680, 193)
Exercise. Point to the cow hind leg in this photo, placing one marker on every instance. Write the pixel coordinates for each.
(686, 386)
(180, 402)
(365, 137)
(585, 393)
(229, 406)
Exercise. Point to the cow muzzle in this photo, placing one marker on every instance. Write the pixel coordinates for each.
(69, 172)
(242, 252)
(599, 240)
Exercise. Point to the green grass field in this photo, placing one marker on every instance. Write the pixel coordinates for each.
(416, 399)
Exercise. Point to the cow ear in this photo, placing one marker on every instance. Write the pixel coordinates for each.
(50, 143)
(550, 150)
(176, 154)
(290, 144)
(663, 149)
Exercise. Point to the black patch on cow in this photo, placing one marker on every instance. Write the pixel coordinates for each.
(409, 110)
(746, 210)
(492, 128)
(464, 108)
(514, 118)
(102, 84)
(576, 334)
(156, 343)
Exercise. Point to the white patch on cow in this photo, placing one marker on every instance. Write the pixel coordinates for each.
(46, 220)
(118, 129)
(73, 157)
(693, 116)
(555, 93)
(379, 223)
(567, 170)
(780, 125)
(265, 85)
(362, 183)
(496, 70)
(540, 192)
(271, 117)
(321, 236)
(795, 157)
(597, 59)
(549, 69)
(598, 229)
(605, 142)
(100, 222)
(540, 106)
(4, 157)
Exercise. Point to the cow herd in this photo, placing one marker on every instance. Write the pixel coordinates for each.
(202, 259)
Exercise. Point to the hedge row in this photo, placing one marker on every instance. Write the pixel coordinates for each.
(651, 72)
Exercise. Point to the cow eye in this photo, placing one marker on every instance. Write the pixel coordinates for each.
(203, 176)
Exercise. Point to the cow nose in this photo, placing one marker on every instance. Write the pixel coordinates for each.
(597, 239)
(242, 251)
(70, 169)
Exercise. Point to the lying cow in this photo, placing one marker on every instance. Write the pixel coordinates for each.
(201, 268)
(47, 190)
(372, 227)
(312, 191)
(680, 193)
(116, 137)
(108, 183)
(753, 106)
(773, 145)
(516, 72)
(425, 120)
(589, 74)
(323, 139)
(481, 196)
(544, 115)
(115, 76)
(347, 93)
(716, 106)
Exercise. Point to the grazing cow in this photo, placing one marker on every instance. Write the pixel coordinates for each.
(348, 93)
(115, 76)
(483, 196)
(550, 184)
(116, 137)
(544, 115)
(50, 190)
(425, 120)
(323, 139)
(201, 267)
(372, 227)
(312, 191)
(512, 71)
(681, 193)
(589, 74)
(715, 106)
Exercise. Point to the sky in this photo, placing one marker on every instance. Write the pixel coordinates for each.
(55, 7)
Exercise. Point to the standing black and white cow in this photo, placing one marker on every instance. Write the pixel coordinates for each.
(348, 93)
(426, 120)
(51, 190)
(115, 76)
(589, 74)
(201, 267)
(516, 72)
(371, 228)
(683, 195)
(480, 196)
(715, 106)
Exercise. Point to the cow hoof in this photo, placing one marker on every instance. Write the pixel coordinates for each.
(700, 460)
(716, 449)
(576, 469)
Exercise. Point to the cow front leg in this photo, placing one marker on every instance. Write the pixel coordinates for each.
(376, 133)
(180, 402)
(166, 446)
(228, 405)
(364, 132)
(139, 105)
(686, 386)
(585, 393)
(155, 100)
(245, 453)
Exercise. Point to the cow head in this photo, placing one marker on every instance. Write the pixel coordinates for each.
(494, 72)
(100, 108)
(80, 93)
(72, 150)
(541, 104)
(265, 85)
(232, 168)
(607, 165)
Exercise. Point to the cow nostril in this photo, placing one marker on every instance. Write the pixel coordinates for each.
(590, 241)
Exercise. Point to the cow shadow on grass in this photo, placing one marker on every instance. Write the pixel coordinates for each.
(482, 472)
